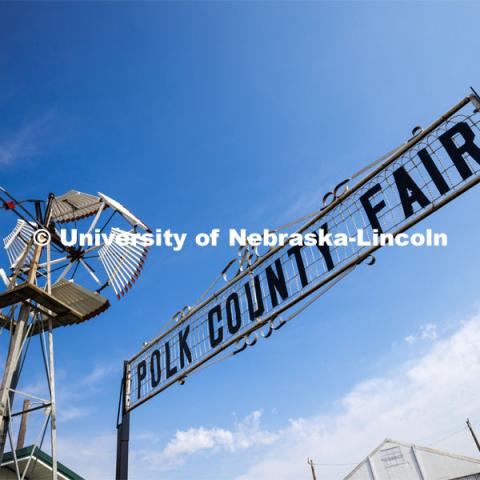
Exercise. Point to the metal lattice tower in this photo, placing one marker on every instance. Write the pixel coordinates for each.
(51, 284)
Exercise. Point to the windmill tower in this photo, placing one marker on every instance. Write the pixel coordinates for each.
(51, 284)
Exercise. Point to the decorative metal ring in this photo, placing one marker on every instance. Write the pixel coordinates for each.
(344, 183)
(368, 260)
(181, 313)
(326, 197)
(281, 323)
(416, 131)
(242, 348)
(227, 268)
(269, 331)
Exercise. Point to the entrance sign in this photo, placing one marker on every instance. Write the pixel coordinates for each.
(431, 169)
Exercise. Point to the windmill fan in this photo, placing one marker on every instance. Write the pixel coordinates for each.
(71, 278)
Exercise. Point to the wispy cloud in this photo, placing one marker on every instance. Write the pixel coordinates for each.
(26, 142)
(92, 457)
(69, 412)
(427, 332)
(91, 454)
(71, 393)
(99, 373)
(304, 204)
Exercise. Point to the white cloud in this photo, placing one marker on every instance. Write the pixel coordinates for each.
(243, 435)
(427, 332)
(423, 401)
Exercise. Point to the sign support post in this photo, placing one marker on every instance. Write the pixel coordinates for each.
(123, 429)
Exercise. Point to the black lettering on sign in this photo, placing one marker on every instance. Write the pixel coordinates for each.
(258, 299)
(456, 153)
(184, 348)
(171, 371)
(409, 191)
(155, 370)
(276, 282)
(433, 171)
(325, 249)
(215, 339)
(296, 252)
(141, 374)
(373, 210)
(234, 324)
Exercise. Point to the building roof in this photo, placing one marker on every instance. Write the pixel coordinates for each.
(475, 476)
(397, 460)
(40, 467)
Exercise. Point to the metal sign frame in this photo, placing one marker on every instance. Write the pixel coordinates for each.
(169, 359)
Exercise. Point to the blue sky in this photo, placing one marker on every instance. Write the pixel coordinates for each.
(198, 115)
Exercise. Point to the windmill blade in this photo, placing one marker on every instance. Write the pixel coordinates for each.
(126, 214)
(4, 277)
(74, 205)
(17, 241)
(123, 260)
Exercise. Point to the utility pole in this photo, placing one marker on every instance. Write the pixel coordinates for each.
(312, 466)
(23, 425)
(475, 439)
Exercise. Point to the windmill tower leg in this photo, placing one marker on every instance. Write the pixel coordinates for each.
(53, 420)
(11, 373)
(51, 376)
(12, 366)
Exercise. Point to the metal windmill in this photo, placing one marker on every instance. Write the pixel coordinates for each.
(50, 285)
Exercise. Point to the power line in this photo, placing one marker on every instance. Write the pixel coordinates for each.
(450, 435)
